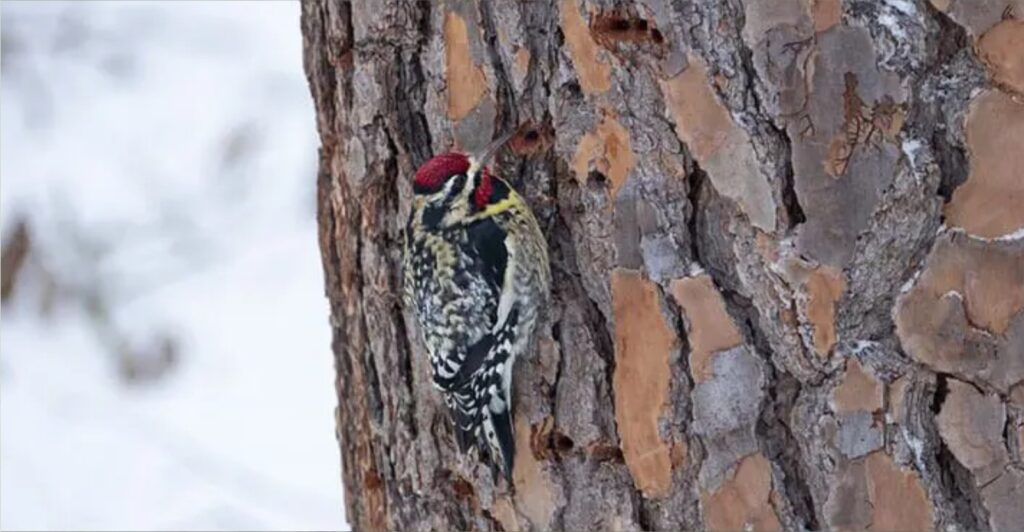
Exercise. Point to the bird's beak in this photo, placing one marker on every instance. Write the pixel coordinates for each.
(477, 162)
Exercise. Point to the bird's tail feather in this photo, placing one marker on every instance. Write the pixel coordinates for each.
(501, 440)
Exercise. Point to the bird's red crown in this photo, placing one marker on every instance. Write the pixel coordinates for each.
(432, 175)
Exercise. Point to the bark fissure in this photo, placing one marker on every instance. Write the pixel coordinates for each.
(696, 181)
(951, 154)
(955, 481)
(782, 448)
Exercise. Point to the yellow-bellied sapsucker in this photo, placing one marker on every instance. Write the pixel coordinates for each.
(476, 275)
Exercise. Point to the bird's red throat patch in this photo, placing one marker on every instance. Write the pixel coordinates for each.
(482, 194)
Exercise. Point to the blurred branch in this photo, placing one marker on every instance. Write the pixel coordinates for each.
(12, 257)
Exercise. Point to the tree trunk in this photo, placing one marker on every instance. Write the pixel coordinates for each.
(785, 238)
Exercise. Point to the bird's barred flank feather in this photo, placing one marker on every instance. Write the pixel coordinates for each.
(476, 274)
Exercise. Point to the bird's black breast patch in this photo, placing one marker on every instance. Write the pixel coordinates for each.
(499, 191)
(487, 240)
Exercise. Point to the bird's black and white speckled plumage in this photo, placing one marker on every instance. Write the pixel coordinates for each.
(476, 274)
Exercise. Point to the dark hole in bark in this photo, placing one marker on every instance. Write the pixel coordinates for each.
(656, 36)
(941, 391)
(610, 28)
(953, 165)
(462, 488)
(618, 25)
(596, 179)
(561, 442)
(533, 139)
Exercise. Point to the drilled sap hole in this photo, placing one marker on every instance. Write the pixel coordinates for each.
(533, 139)
(561, 443)
(617, 27)
(596, 180)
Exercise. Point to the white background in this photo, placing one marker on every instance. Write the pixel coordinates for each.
(163, 155)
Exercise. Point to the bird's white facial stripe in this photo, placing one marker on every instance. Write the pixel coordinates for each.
(474, 166)
(447, 189)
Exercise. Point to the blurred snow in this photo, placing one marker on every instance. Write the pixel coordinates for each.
(162, 155)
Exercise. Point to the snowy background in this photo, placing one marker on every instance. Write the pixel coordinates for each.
(164, 357)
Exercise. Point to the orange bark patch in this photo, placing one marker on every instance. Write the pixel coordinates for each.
(607, 150)
(899, 501)
(989, 203)
(743, 502)
(467, 84)
(678, 453)
(941, 5)
(702, 122)
(825, 285)
(594, 74)
(826, 13)
(533, 488)
(522, 61)
(1000, 48)
(859, 390)
(709, 326)
(643, 342)
(965, 282)
(505, 514)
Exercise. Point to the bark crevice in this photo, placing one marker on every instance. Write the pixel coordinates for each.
(955, 481)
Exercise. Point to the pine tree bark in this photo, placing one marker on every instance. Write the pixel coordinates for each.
(786, 245)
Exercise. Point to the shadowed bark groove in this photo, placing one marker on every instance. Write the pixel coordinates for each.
(788, 289)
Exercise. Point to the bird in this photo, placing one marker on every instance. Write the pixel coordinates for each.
(476, 277)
